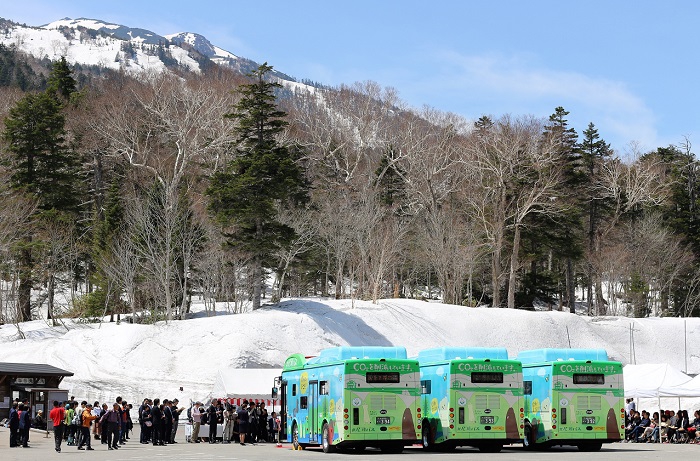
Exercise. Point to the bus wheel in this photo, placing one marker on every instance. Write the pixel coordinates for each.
(590, 446)
(295, 437)
(327, 444)
(527, 438)
(427, 438)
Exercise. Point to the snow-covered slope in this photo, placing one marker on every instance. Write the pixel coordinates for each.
(96, 43)
(138, 360)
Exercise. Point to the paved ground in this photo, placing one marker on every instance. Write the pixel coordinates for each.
(42, 449)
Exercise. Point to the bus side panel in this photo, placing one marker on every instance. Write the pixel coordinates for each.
(330, 402)
(435, 404)
(537, 403)
(297, 404)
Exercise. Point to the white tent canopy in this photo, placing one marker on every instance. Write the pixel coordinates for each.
(655, 380)
(245, 383)
(688, 389)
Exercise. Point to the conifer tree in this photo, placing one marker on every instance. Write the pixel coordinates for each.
(263, 176)
(61, 81)
(558, 235)
(42, 165)
(594, 152)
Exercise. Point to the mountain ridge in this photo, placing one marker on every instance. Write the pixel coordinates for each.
(95, 42)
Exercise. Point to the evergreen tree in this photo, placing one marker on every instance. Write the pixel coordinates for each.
(682, 215)
(42, 165)
(390, 181)
(594, 152)
(61, 81)
(262, 177)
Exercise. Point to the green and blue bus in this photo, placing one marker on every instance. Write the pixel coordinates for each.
(572, 397)
(351, 398)
(470, 397)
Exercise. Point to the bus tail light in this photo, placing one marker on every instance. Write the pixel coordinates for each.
(418, 410)
(554, 426)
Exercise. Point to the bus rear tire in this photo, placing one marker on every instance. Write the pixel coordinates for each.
(295, 437)
(327, 444)
(527, 438)
(427, 439)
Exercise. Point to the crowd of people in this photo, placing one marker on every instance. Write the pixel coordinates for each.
(76, 423)
(250, 422)
(663, 426)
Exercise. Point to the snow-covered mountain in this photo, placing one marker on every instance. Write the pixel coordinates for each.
(92, 42)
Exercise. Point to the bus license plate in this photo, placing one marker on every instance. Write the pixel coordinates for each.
(383, 420)
(487, 419)
(588, 420)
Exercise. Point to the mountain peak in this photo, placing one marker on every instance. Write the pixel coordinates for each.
(201, 44)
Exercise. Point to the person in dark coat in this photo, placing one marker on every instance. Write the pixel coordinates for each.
(167, 421)
(14, 425)
(157, 419)
(213, 417)
(110, 425)
(25, 423)
(243, 419)
(147, 419)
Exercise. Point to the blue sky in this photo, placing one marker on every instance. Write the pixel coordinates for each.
(630, 67)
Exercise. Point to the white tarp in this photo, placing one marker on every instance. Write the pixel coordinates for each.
(653, 380)
(687, 389)
(245, 383)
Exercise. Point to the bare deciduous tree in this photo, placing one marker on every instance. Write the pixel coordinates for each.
(515, 171)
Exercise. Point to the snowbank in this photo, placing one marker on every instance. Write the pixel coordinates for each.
(137, 361)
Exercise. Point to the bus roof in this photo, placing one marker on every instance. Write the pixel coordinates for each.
(554, 355)
(439, 354)
(336, 354)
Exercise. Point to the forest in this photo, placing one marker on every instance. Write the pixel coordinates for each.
(126, 196)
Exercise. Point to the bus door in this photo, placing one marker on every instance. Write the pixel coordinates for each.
(283, 410)
(313, 411)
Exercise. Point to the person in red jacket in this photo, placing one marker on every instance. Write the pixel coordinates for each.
(57, 415)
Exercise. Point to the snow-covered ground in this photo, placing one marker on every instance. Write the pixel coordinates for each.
(136, 361)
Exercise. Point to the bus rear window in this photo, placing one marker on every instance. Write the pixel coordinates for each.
(589, 378)
(375, 377)
(487, 378)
